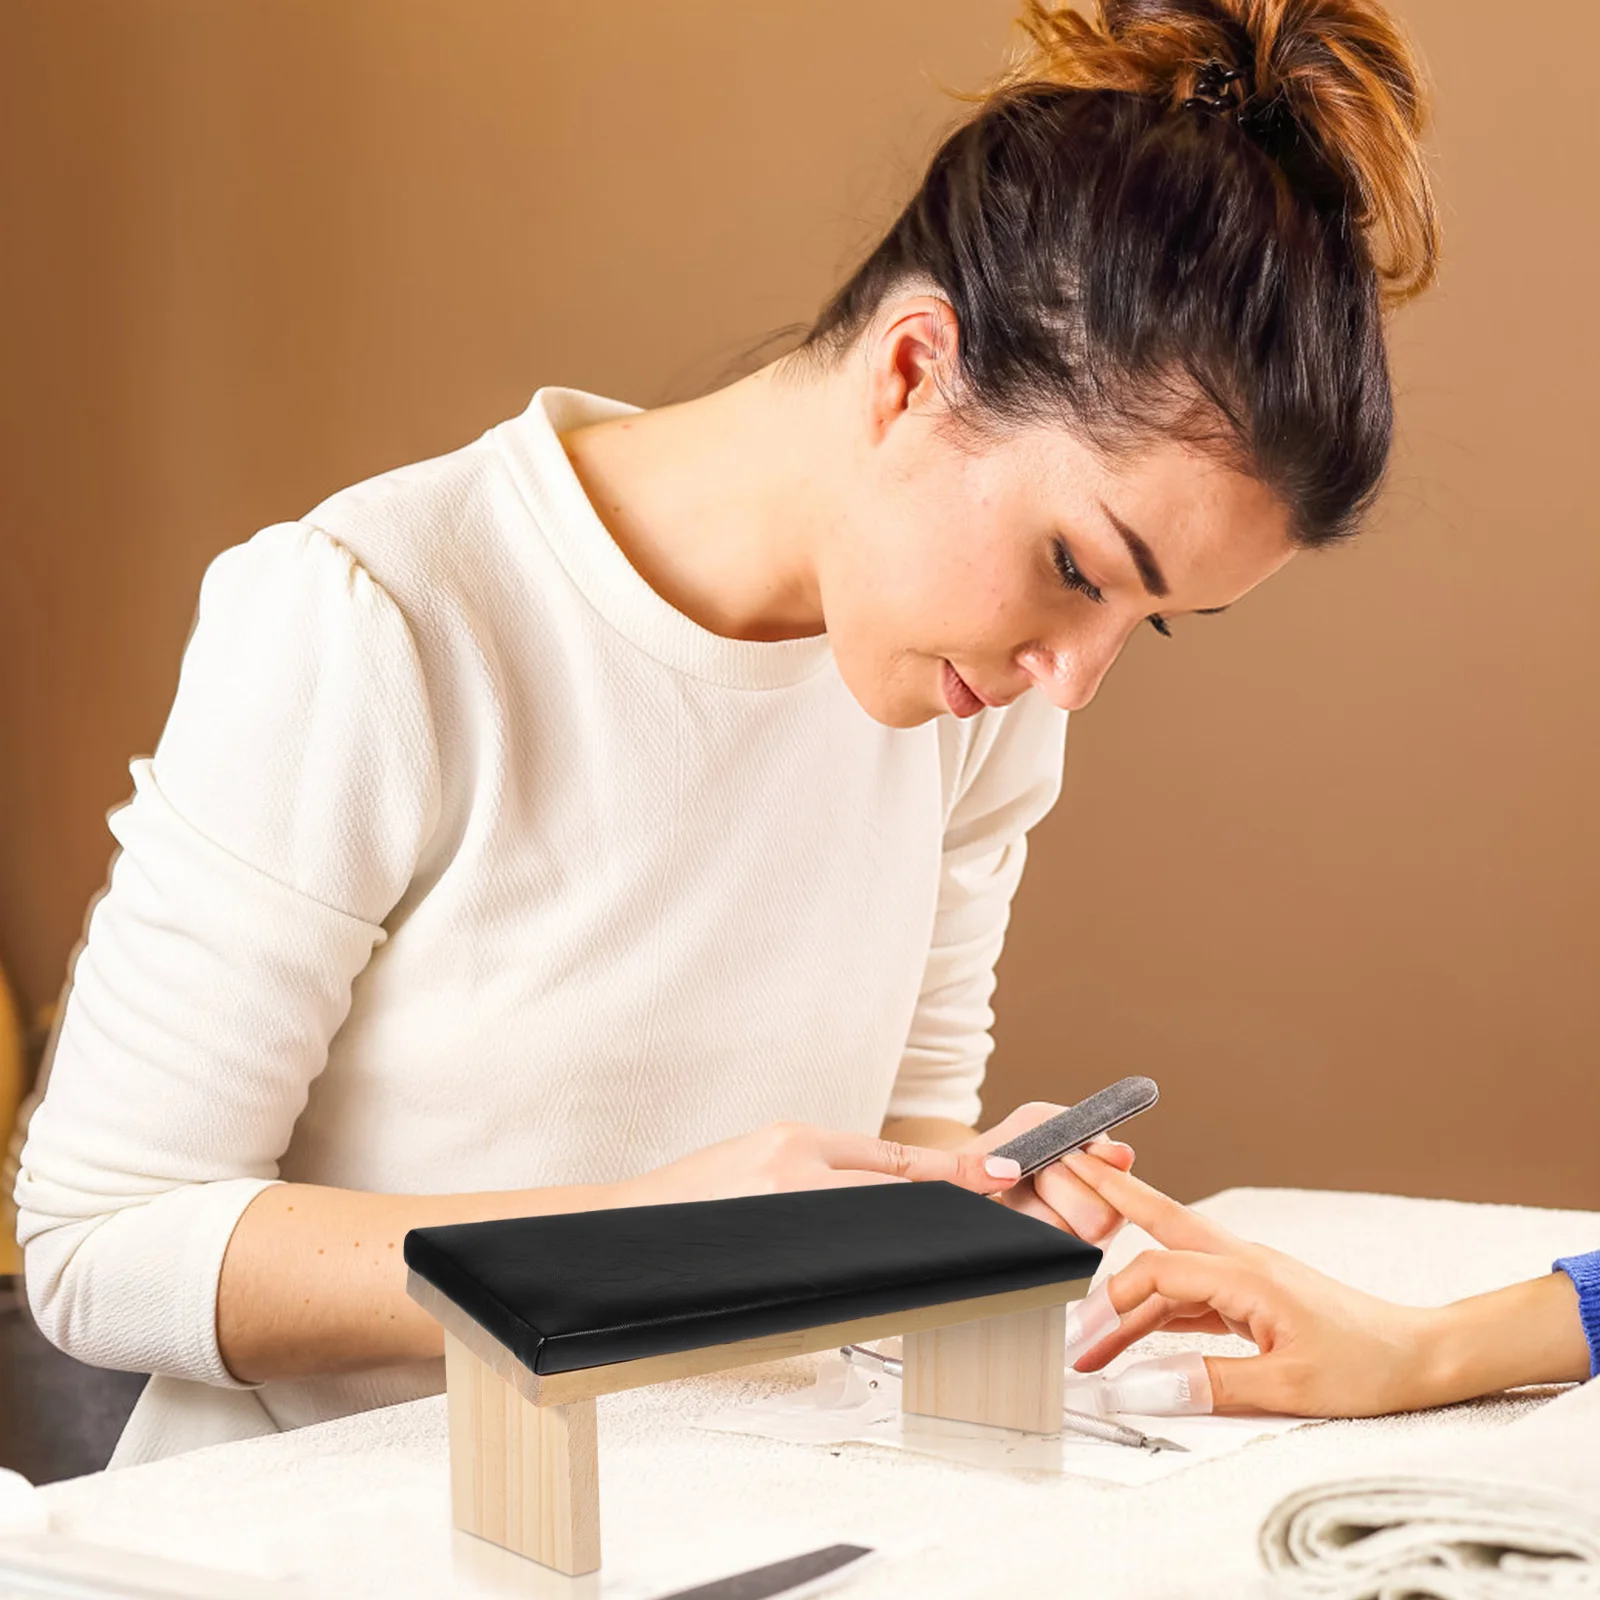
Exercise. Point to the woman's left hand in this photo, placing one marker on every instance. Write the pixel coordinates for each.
(1054, 1194)
(1325, 1348)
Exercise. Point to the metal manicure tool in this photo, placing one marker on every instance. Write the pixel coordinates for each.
(1071, 1421)
(1117, 1433)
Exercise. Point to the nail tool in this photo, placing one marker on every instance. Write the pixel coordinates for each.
(791, 1577)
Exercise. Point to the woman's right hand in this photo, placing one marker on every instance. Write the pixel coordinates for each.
(792, 1155)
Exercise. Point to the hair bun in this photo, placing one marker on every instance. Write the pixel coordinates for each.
(1330, 89)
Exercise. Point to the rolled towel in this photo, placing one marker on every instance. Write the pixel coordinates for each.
(1511, 1514)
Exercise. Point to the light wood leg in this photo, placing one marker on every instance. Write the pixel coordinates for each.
(523, 1476)
(1004, 1371)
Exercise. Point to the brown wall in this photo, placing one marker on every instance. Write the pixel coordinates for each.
(1325, 867)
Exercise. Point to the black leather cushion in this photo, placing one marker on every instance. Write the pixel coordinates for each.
(593, 1287)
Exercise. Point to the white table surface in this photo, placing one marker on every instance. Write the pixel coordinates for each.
(361, 1506)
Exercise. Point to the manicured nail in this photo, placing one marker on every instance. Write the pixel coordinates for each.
(1090, 1321)
(1002, 1167)
(1173, 1386)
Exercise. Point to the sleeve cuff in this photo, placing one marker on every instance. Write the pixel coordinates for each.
(1585, 1274)
(137, 1290)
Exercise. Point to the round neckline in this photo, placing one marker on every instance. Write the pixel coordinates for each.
(596, 564)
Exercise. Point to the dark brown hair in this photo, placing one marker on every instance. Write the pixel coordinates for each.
(1184, 218)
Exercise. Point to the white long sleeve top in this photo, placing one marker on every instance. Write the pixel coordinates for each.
(465, 862)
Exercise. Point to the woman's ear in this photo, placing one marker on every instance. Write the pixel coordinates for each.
(912, 360)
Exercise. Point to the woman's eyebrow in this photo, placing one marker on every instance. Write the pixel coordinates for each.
(1144, 560)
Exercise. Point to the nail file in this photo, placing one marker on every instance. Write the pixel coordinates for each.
(797, 1576)
(1078, 1124)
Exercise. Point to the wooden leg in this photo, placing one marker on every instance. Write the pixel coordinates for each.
(1004, 1371)
(523, 1476)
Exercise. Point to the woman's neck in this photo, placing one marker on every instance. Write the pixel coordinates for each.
(717, 502)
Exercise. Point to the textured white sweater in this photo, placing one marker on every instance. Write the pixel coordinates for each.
(465, 862)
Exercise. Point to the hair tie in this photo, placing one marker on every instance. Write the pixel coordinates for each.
(1213, 90)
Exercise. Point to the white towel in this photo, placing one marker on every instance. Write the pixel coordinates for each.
(22, 1511)
(1513, 1513)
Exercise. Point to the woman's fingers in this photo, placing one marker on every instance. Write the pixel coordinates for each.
(971, 1169)
(1113, 1152)
(1076, 1205)
(1024, 1198)
(1162, 1217)
(1019, 1120)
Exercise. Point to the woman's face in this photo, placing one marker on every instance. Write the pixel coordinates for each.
(962, 571)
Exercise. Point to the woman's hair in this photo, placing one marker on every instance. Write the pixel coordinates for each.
(1183, 218)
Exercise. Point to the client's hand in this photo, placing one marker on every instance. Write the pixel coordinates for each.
(1326, 1350)
(1053, 1194)
(791, 1155)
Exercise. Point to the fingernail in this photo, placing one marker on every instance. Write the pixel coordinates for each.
(1089, 1321)
(1002, 1167)
(1173, 1386)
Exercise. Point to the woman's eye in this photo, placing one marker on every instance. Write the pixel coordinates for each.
(1067, 571)
(1160, 625)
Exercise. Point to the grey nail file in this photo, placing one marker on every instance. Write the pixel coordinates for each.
(1078, 1124)
(796, 1576)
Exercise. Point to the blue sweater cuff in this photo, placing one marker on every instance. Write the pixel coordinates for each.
(1585, 1274)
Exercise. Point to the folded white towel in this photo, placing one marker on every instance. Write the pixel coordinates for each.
(1513, 1514)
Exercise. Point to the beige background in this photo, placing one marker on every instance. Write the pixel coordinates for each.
(1325, 867)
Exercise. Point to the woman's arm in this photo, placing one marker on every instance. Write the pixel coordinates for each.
(1325, 1349)
(275, 829)
(314, 1279)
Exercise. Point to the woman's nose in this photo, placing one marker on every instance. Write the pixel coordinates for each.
(1070, 672)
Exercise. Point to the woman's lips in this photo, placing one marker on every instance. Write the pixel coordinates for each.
(961, 700)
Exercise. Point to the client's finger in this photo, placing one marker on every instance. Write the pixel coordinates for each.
(1091, 1349)
(1273, 1382)
(1152, 1316)
(1162, 1217)
(1227, 1285)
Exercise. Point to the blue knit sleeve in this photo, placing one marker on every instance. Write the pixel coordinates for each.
(1585, 1274)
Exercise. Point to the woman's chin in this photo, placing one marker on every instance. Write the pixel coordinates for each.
(892, 700)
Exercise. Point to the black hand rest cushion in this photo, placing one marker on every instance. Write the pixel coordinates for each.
(594, 1287)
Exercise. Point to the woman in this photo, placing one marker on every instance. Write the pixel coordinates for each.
(627, 807)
